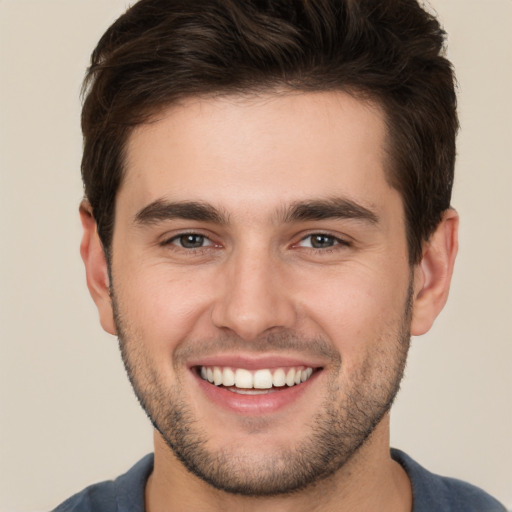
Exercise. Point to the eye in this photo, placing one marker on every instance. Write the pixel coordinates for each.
(191, 241)
(321, 241)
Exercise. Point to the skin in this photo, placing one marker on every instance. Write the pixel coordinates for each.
(257, 279)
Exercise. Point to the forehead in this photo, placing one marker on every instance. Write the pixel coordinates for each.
(254, 152)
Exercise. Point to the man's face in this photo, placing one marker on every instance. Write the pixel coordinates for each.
(258, 245)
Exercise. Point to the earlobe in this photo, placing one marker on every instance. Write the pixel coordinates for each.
(433, 274)
(93, 256)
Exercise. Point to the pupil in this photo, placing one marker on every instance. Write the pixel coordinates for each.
(321, 241)
(192, 241)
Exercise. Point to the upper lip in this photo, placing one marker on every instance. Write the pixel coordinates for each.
(253, 362)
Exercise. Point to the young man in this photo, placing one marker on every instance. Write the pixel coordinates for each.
(267, 221)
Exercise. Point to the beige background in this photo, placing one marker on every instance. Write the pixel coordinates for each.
(67, 414)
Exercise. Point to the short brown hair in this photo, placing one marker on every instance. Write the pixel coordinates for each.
(390, 51)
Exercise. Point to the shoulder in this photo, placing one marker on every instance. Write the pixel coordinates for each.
(437, 493)
(124, 494)
(98, 497)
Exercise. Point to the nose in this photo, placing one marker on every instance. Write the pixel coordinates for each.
(253, 295)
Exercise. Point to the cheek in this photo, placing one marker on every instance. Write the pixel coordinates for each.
(356, 309)
(163, 307)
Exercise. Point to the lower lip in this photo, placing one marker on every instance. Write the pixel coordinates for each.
(255, 404)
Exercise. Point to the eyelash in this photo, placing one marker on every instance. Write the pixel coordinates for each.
(170, 241)
(336, 242)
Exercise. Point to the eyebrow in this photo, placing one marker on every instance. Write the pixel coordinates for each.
(162, 210)
(331, 208)
(312, 210)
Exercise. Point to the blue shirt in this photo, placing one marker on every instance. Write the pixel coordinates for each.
(431, 493)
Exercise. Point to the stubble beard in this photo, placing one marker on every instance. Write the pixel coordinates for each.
(342, 425)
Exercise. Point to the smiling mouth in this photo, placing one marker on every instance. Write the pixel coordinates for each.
(246, 382)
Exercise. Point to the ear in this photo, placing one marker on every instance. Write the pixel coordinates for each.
(96, 270)
(433, 274)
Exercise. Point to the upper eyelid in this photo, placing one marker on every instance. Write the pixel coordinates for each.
(172, 243)
(340, 238)
(321, 233)
(167, 239)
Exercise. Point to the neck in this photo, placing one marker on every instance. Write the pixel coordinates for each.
(369, 481)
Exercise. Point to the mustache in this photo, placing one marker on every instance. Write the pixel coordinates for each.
(275, 342)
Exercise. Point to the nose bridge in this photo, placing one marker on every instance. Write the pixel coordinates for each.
(253, 297)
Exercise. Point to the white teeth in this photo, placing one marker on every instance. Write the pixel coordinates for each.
(279, 378)
(217, 376)
(228, 377)
(243, 379)
(290, 377)
(251, 391)
(263, 379)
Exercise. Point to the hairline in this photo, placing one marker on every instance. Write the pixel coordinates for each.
(158, 111)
